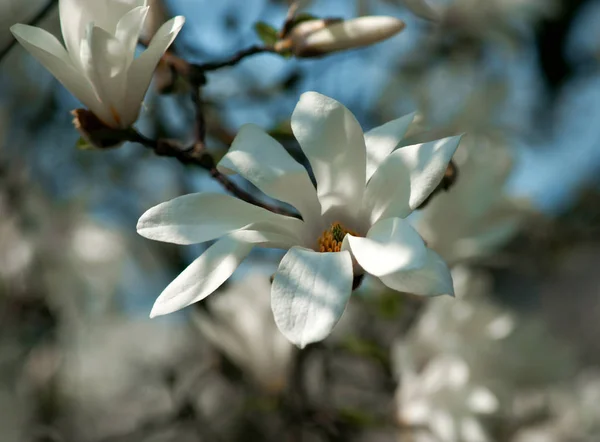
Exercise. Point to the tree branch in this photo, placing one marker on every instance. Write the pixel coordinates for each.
(196, 155)
(235, 59)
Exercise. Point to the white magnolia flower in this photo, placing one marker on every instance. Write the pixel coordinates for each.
(351, 224)
(98, 65)
(443, 398)
(241, 324)
(475, 216)
(318, 37)
(491, 14)
(514, 350)
(573, 412)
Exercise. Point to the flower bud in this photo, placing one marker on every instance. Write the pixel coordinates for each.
(319, 37)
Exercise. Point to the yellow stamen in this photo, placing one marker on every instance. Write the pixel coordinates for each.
(331, 239)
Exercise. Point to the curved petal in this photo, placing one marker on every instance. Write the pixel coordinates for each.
(74, 18)
(129, 29)
(141, 70)
(76, 15)
(200, 217)
(407, 177)
(265, 163)
(432, 279)
(116, 9)
(52, 55)
(104, 59)
(309, 293)
(391, 245)
(382, 140)
(334, 144)
(202, 277)
(262, 238)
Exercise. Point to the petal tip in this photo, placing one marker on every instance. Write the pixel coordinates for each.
(16, 28)
(178, 22)
(156, 311)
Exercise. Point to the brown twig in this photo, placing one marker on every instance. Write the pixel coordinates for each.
(235, 59)
(34, 21)
(196, 155)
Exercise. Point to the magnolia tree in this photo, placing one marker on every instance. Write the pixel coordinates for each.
(366, 219)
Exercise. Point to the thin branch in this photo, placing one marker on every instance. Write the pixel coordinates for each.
(252, 50)
(196, 155)
(34, 21)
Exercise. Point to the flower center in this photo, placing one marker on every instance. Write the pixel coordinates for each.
(331, 239)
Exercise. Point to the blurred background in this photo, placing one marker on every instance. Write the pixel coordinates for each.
(515, 357)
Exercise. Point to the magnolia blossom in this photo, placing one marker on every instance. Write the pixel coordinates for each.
(515, 350)
(318, 37)
(353, 223)
(476, 216)
(443, 398)
(480, 15)
(241, 324)
(98, 65)
(573, 410)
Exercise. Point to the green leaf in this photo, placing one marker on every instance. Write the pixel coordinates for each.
(267, 33)
(83, 144)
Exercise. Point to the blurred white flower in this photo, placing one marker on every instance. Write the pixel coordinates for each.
(485, 17)
(113, 375)
(241, 324)
(443, 398)
(475, 216)
(16, 250)
(516, 351)
(481, 344)
(98, 65)
(353, 223)
(318, 37)
(574, 413)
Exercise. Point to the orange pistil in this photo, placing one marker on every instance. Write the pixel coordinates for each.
(331, 239)
(115, 115)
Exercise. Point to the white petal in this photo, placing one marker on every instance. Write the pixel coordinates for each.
(129, 29)
(76, 15)
(74, 18)
(407, 177)
(52, 55)
(433, 279)
(388, 191)
(334, 144)
(391, 245)
(203, 276)
(262, 238)
(202, 217)
(142, 68)
(104, 59)
(309, 293)
(382, 140)
(483, 401)
(472, 430)
(117, 9)
(265, 163)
